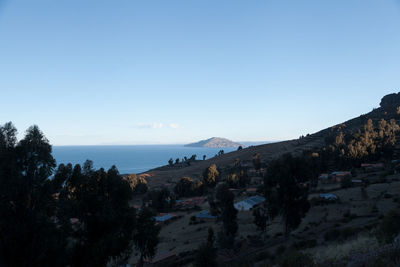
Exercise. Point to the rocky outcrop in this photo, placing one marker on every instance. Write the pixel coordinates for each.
(390, 101)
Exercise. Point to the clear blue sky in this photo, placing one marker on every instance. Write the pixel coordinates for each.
(139, 72)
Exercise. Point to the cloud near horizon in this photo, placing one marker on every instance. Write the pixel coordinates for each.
(156, 125)
(173, 125)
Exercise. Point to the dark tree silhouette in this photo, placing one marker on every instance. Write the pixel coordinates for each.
(78, 217)
(146, 235)
(221, 204)
(96, 213)
(260, 218)
(187, 187)
(29, 235)
(207, 253)
(257, 162)
(286, 190)
(160, 199)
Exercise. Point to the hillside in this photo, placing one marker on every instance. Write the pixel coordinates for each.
(344, 231)
(268, 152)
(215, 142)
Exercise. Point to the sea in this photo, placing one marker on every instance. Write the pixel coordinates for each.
(130, 158)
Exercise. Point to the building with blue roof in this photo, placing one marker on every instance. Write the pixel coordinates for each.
(164, 218)
(328, 196)
(249, 203)
(205, 215)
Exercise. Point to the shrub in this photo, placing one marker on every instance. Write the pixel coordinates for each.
(211, 175)
(137, 183)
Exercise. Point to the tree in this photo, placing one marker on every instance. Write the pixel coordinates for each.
(211, 175)
(103, 221)
(187, 187)
(207, 253)
(137, 183)
(286, 190)
(237, 163)
(29, 235)
(146, 235)
(223, 204)
(257, 162)
(79, 217)
(233, 180)
(260, 218)
(160, 199)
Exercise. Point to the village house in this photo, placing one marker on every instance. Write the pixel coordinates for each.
(249, 203)
(372, 167)
(330, 197)
(324, 177)
(189, 203)
(357, 181)
(338, 176)
(165, 218)
(205, 216)
(251, 191)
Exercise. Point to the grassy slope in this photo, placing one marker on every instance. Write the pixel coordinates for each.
(161, 175)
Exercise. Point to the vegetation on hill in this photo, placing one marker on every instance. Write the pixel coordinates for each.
(79, 216)
(69, 216)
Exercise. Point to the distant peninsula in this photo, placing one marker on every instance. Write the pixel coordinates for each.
(215, 142)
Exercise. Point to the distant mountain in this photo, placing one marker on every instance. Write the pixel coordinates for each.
(215, 142)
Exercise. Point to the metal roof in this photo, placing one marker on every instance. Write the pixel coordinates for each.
(248, 203)
(328, 196)
(204, 214)
(164, 218)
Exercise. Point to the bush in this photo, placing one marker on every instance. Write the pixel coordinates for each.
(211, 175)
(138, 184)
